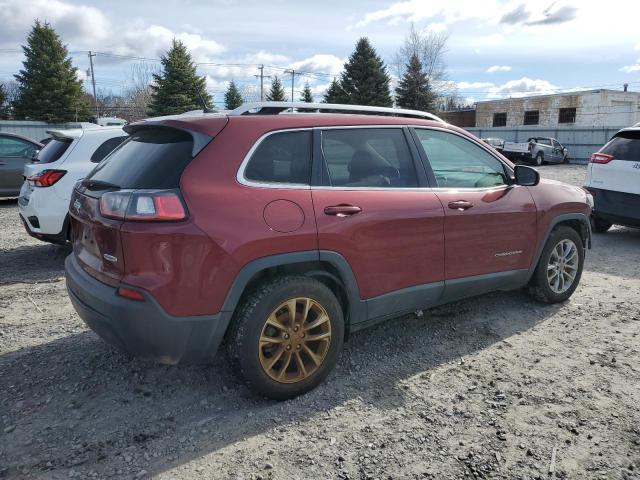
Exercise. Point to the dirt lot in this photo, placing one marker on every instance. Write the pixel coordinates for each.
(494, 387)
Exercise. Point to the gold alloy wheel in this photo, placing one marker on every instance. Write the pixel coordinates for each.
(295, 340)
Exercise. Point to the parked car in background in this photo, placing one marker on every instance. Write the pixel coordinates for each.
(497, 143)
(613, 178)
(283, 232)
(49, 180)
(15, 152)
(536, 150)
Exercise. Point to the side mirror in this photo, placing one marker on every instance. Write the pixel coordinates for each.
(34, 155)
(526, 176)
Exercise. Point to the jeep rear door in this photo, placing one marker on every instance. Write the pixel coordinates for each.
(489, 224)
(372, 208)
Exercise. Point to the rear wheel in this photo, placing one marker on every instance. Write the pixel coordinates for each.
(599, 225)
(287, 336)
(560, 267)
(539, 160)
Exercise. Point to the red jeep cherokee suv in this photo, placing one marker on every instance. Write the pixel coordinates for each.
(280, 233)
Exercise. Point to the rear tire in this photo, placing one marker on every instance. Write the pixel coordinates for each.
(275, 352)
(559, 268)
(599, 225)
(539, 160)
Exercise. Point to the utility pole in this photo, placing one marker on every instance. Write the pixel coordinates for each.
(262, 76)
(93, 81)
(293, 77)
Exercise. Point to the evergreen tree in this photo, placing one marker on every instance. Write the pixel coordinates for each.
(177, 88)
(413, 90)
(232, 97)
(334, 93)
(364, 79)
(48, 88)
(276, 92)
(307, 96)
(3, 96)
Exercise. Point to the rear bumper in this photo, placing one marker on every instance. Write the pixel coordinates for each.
(518, 156)
(616, 207)
(142, 328)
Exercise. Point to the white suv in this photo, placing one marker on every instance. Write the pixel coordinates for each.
(49, 180)
(613, 178)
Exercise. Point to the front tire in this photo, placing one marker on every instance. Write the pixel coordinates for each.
(287, 336)
(559, 268)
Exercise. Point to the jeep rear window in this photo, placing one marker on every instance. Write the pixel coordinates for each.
(624, 146)
(152, 157)
(53, 150)
(283, 157)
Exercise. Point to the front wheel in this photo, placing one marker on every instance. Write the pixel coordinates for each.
(560, 267)
(539, 160)
(287, 336)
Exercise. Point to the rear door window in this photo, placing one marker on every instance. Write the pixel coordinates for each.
(153, 157)
(624, 146)
(54, 150)
(14, 147)
(106, 148)
(368, 157)
(282, 157)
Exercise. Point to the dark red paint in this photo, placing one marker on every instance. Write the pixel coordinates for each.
(391, 239)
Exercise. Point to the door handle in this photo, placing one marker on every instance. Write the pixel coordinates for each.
(342, 210)
(460, 205)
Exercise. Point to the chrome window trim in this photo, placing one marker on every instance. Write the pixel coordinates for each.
(241, 179)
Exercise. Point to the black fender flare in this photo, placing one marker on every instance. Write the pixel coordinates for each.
(357, 308)
(581, 217)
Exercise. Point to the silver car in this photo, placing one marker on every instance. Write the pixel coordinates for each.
(15, 152)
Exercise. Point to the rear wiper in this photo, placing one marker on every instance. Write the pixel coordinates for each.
(99, 185)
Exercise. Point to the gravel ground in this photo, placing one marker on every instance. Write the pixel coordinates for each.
(494, 387)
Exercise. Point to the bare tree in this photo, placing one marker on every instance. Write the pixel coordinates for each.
(138, 95)
(11, 89)
(430, 48)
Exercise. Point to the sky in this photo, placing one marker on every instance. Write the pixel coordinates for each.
(496, 48)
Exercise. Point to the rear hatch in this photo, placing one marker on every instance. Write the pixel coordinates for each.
(618, 168)
(152, 159)
(52, 155)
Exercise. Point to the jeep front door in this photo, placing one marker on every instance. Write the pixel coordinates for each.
(490, 224)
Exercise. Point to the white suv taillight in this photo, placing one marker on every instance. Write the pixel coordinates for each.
(601, 158)
(46, 178)
(143, 205)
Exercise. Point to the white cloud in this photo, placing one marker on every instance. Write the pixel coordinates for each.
(154, 40)
(418, 10)
(631, 68)
(323, 63)
(637, 47)
(469, 85)
(522, 87)
(499, 68)
(513, 88)
(71, 21)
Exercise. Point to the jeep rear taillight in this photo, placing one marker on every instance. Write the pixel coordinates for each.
(601, 158)
(46, 178)
(143, 205)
